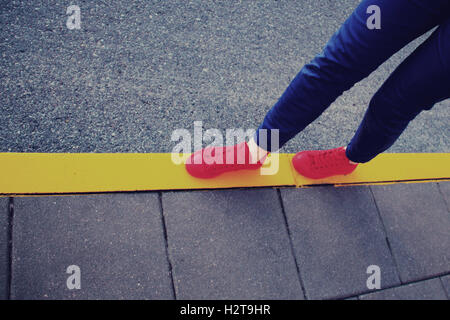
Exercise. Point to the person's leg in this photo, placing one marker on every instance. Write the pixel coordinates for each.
(420, 81)
(352, 54)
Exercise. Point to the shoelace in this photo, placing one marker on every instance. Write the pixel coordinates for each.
(327, 159)
(235, 163)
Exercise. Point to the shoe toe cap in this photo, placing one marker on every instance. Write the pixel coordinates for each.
(196, 166)
(300, 159)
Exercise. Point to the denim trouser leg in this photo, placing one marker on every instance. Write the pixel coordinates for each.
(352, 53)
(420, 81)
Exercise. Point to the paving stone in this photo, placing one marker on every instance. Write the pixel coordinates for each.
(4, 253)
(230, 244)
(424, 290)
(337, 235)
(117, 241)
(418, 227)
(444, 187)
(446, 283)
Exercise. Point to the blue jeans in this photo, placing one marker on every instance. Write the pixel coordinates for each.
(352, 53)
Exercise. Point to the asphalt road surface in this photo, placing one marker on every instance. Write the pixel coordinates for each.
(137, 70)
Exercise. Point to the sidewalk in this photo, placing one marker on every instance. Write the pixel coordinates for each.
(260, 243)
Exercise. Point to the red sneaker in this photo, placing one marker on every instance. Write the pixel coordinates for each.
(205, 163)
(318, 164)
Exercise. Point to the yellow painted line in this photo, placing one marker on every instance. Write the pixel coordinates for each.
(390, 168)
(34, 173)
(68, 173)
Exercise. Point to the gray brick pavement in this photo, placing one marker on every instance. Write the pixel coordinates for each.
(230, 244)
(337, 235)
(117, 241)
(418, 227)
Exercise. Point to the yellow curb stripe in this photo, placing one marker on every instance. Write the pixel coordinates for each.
(68, 173)
(33, 173)
(391, 167)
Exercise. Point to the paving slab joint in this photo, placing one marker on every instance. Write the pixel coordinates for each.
(166, 242)
(388, 243)
(443, 196)
(10, 246)
(443, 288)
(291, 244)
(407, 283)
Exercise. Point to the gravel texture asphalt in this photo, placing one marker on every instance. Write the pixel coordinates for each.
(137, 70)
